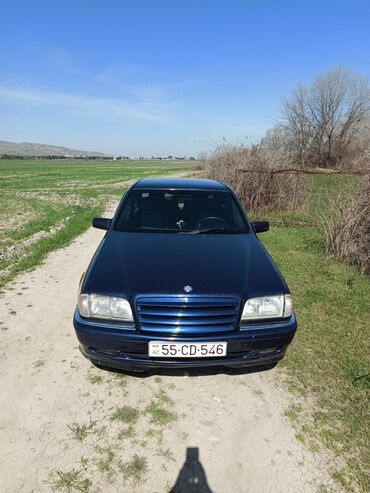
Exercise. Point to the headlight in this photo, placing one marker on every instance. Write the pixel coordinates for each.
(107, 307)
(268, 307)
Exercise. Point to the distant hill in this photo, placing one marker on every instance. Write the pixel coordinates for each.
(32, 149)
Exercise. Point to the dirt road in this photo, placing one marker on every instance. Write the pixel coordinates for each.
(66, 424)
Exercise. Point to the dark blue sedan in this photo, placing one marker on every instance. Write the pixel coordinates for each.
(181, 280)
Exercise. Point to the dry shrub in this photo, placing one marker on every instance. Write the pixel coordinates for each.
(347, 227)
(261, 189)
(358, 160)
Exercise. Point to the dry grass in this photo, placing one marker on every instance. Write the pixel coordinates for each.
(259, 189)
(347, 228)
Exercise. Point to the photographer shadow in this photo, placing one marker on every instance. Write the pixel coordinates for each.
(192, 476)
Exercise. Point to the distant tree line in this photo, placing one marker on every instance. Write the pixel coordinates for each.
(326, 123)
(51, 156)
(108, 158)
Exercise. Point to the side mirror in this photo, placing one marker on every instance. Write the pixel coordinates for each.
(260, 226)
(101, 222)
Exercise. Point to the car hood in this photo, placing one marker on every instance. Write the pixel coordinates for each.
(132, 264)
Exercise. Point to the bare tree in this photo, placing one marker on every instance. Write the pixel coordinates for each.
(296, 122)
(323, 119)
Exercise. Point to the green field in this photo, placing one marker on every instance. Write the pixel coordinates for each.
(45, 204)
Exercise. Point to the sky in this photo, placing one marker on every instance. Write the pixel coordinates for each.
(135, 77)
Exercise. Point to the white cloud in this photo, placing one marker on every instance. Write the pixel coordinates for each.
(149, 110)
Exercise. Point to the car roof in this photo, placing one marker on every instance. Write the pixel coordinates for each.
(169, 183)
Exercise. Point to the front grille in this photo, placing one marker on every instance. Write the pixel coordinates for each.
(187, 314)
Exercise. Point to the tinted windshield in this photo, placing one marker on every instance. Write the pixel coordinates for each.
(181, 211)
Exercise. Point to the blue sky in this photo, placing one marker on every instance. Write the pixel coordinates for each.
(165, 77)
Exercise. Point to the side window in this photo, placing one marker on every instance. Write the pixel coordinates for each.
(237, 215)
(126, 212)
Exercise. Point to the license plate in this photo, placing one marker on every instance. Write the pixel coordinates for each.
(161, 349)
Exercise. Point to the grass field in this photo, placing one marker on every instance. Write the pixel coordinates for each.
(45, 204)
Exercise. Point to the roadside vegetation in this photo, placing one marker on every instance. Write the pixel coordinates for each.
(347, 228)
(328, 361)
(320, 239)
(44, 204)
(254, 174)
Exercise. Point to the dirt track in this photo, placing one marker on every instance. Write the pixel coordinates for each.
(236, 423)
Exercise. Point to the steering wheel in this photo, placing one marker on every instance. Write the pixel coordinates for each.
(215, 222)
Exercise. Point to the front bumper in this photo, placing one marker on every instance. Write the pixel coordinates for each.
(251, 345)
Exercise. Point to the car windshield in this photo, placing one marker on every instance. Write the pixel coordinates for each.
(181, 211)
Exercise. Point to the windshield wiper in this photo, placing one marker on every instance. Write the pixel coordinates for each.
(217, 230)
